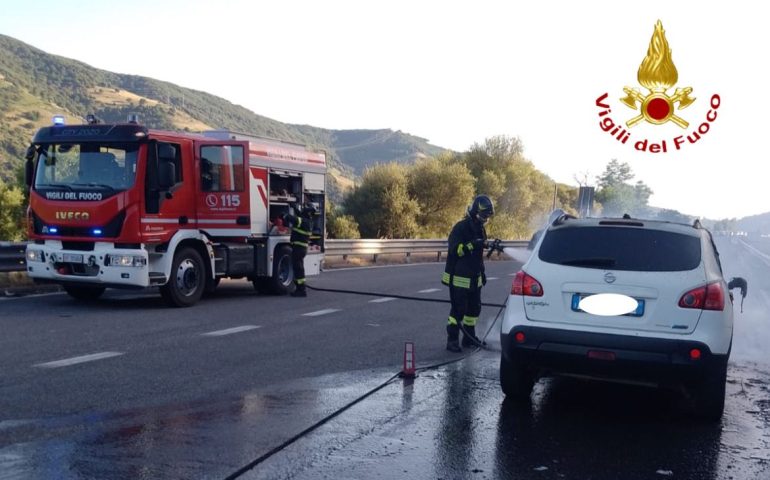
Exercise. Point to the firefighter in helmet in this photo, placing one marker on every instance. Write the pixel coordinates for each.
(301, 223)
(464, 273)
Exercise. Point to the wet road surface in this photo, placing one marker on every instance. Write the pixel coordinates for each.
(176, 404)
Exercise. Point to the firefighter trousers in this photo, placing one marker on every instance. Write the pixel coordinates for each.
(466, 308)
(298, 265)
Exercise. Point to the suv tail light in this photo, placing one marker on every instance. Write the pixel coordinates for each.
(707, 297)
(524, 284)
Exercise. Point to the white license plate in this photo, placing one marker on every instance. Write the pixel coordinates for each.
(72, 258)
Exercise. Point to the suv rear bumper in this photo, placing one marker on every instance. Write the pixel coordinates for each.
(623, 357)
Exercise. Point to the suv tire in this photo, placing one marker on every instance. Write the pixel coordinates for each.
(708, 396)
(515, 380)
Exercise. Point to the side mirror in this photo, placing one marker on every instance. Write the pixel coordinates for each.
(29, 172)
(166, 175)
(533, 241)
(739, 282)
(29, 167)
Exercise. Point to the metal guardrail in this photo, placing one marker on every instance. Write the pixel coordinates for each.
(12, 254)
(376, 247)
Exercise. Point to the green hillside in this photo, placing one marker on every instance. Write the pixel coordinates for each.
(34, 85)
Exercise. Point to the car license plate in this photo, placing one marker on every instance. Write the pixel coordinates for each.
(577, 297)
(72, 258)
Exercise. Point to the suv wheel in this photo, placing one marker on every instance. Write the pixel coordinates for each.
(708, 396)
(515, 380)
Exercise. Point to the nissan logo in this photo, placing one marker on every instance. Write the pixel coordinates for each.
(609, 277)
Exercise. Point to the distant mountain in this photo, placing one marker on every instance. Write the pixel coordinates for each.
(35, 85)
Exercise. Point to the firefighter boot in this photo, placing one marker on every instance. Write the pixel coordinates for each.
(453, 337)
(300, 291)
(469, 337)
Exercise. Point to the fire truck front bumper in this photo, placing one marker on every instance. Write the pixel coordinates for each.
(103, 265)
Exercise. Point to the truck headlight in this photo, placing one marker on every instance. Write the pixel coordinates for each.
(34, 255)
(125, 261)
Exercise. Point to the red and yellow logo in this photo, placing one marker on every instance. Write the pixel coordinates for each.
(658, 75)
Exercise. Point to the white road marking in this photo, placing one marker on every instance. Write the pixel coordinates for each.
(81, 359)
(228, 331)
(430, 290)
(511, 274)
(32, 295)
(382, 300)
(320, 312)
(373, 324)
(493, 278)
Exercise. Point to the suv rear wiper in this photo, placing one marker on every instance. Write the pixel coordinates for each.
(589, 262)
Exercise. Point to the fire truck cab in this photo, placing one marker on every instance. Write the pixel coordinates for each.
(123, 206)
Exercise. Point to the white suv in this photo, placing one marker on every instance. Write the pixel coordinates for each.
(661, 312)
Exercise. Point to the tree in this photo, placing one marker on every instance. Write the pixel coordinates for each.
(11, 212)
(381, 204)
(615, 174)
(667, 215)
(618, 196)
(442, 189)
(522, 194)
(342, 226)
(339, 225)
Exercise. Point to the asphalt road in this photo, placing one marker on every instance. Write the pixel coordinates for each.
(201, 392)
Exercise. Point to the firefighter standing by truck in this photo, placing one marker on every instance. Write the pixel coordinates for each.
(464, 273)
(301, 228)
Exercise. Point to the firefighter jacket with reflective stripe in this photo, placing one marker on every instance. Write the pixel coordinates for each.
(301, 227)
(465, 259)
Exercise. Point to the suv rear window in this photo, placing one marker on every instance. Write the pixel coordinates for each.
(621, 248)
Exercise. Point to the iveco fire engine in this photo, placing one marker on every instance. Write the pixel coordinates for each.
(124, 206)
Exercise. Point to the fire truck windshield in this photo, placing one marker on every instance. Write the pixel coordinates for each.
(87, 166)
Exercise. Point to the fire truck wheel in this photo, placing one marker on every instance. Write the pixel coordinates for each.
(211, 285)
(261, 284)
(188, 279)
(84, 293)
(283, 274)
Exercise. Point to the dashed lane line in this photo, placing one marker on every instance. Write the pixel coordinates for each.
(382, 300)
(320, 312)
(430, 290)
(493, 278)
(81, 359)
(228, 331)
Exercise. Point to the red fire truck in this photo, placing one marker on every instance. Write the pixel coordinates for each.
(124, 206)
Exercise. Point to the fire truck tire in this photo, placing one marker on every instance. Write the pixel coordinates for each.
(84, 293)
(282, 280)
(211, 285)
(261, 284)
(188, 279)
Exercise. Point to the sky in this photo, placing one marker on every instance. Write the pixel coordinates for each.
(457, 73)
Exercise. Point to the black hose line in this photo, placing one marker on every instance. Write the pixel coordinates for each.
(306, 431)
(479, 346)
